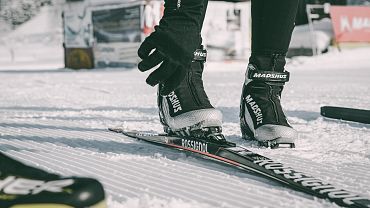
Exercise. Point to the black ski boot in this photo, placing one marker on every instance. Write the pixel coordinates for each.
(261, 115)
(187, 111)
(25, 186)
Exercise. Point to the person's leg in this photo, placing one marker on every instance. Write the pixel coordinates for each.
(272, 25)
(187, 110)
(261, 114)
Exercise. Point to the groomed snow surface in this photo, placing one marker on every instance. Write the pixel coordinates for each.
(57, 120)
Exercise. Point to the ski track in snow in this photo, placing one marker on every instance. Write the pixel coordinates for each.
(58, 120)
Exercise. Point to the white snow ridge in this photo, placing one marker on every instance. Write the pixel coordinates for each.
(57, 120)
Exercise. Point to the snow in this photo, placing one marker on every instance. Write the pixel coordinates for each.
(58, 119)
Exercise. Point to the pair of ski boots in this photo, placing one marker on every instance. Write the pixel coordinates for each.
(187, 110)
(22, 186)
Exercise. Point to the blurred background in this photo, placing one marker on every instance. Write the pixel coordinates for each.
(55, 116)
(85, 34)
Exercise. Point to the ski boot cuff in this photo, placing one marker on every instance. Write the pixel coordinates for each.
(268, 62)
(268, 76)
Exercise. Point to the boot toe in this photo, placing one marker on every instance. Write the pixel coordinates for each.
(283, 134)
(203, 117)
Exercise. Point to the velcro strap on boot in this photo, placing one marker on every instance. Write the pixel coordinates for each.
(268, 76)
(200, 55)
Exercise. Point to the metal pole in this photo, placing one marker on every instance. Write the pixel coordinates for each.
(310, 25)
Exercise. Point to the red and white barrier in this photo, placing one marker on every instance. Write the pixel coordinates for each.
(351, 23)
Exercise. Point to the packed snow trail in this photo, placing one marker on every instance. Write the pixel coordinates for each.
(57, 120)
(90, 153)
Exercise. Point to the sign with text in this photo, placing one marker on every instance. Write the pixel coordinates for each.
(351, 23)
(117, 24)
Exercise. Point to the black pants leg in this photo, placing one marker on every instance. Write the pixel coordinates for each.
(272, 25)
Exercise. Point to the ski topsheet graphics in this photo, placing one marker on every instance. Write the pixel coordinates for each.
(244, 159)
(23, 186)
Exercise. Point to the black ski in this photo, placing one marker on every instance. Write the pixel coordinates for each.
(23, 186)
(244, 159)
(348, 114)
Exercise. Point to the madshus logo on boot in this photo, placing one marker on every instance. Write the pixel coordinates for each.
(256, 109)
(176, 105)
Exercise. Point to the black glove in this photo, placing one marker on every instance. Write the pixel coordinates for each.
(173, 43)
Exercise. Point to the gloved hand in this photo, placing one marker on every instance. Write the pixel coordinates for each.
(173, 50)
(172, 44)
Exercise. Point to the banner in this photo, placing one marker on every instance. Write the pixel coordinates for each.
(351, 23)
(117, 25)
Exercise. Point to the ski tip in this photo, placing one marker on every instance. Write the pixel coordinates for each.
(116, 129)
(134, 134)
